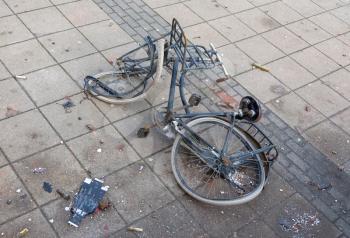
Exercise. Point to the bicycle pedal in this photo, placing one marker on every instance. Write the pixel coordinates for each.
(195, 99)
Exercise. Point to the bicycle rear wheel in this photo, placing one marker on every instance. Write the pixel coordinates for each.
(242, 181)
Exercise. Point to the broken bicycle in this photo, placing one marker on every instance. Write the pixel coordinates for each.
(220, 158)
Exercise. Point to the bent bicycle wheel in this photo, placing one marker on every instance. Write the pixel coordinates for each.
(242, 179)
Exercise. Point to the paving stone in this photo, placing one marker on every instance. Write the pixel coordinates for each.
(308, 31)
(330, 23)
(4, 10)
(116, 52)
(297, 208)
(345, 38)
(144, 146)
(292, 109)
(223, 222)
(260, 50)
(269, 87)
(207, 9)
(67, 45)
(57, 2)
(137, 192)
(67, 123)
(78, 69)
(3, 160)
(232, 28)
(323, 98)
(20, 138)
(343, 226)
(182, 13)
(9, 185)
(112, 34)
(57, 173)
(256, 228)
(80, 13)
(48, 85)
(12, 31)
(315, 61)
(331, 141)
(235, 6)
(260, 2)
(203, 34)
(325, 209)
(342, 120)
(45, 21)
(115, 151)
(3, 72)
(305, 7)
(100, 224)
(342, 13)
(281, 12)
(124, 233)
(285, 40)
(13, 97)
(328, 5)
(34, 221)
(338, 81)
(290, 73)
(26, 5)
(257, 20)
(336, 50)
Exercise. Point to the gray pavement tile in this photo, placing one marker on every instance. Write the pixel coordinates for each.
(115, 152)
(170, 221)
(207, 9)
(124, 233)
(154, 142)
(328, 5)
(78, 69)
(4, 10)
(161, 3)
(3, 72)
(3, 160)
(106, 34)
(57, 2)
(345, 38)
(13, 98)
(67, 45)
(323, 98)
(308, 31)
(48, 85)
(203, 34)
(257, 229)
(160, 164)
(116, 52)
(260, 2)
(80, 13)
(285, 40)
(315, 61)
(34, 221)
(343, 13)
(100, 224)
(281, 12)
(45, 21)
(27, 5)
(12, 31)
(260, 49)
(295, 111)
(223, 222)
(269, 87)
(342, 120)
(330, 23)
(20, 202)
(336, 50)
(339, 81)
(331, 141)
(290, 73)
(20, 138)
(73, 123)
(305, 7)
(136, 192)
(257, 20)
(25, 57)
(311, 222)
(182, 13)
(232, 28)
(61, 170)
(235, 6)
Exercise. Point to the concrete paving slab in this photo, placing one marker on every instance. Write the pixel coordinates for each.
(3, 72)
(161, 3)
(281, 12)
(342, 120)
(3, 160)
(235, 6)
(260, 2)
(20, 138)
(67, 45)
(74, 122)
(345, 38)
(13, 189)
(26, 5)
(13, 98)
(116, 52)
(12, 31)
(257, 20)
(343, 13)
(256, 228)
(61, 170)
(45, 21)
(306, 8)
(328, 5)
(48, 85)
(339, 82)
(336, 50)
(323, 98)
(25, 57)
(136, 192)
(207, 9)
(4, 10)
(204, 34)
(330, 23)
(115, 152)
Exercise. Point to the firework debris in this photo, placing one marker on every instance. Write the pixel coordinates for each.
(136, 229)
(260, 67)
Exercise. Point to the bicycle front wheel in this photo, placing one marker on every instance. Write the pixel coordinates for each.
(242, 179)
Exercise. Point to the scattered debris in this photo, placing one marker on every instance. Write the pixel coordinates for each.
(68, 104)
(322, 185)
(79, 118)
(220, 80)
(260, 67)
(51, 221)
(299, 222)
(307, 108)
(141, 168)
(39, 170)
(334, 152)
(20, 77)
(47, 187)
(150, 159)
(143, 132)
(86, 201)
(227, 99)
(67, 209)
(99, 150)
(64, 195)
(120, 147)
(18, 190)
(136, 229)
(11, 112)
(23, 232)
(101, 142)
(8, 202)
(104, 204)
(91, 127)
(23, 196)
(281, 190)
